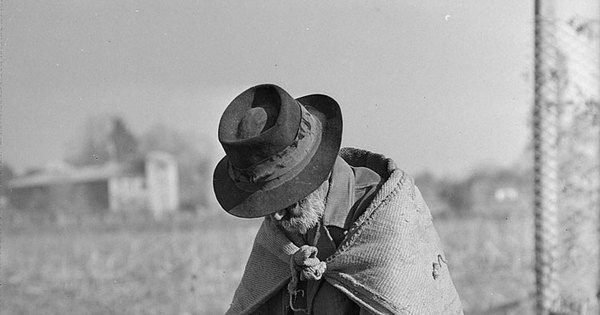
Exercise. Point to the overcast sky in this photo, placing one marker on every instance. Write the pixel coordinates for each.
(440, 85)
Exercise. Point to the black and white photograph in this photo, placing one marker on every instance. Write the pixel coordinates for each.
(300, 157)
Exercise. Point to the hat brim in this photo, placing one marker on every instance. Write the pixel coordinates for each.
(262, 202)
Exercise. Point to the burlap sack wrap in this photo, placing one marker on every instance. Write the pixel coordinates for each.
(391, 261)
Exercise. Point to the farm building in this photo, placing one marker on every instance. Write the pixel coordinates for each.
(149, 184)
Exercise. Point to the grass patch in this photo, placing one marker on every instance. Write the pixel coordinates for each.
(192, 266)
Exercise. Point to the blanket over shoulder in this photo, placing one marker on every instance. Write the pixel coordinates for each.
(391, 261)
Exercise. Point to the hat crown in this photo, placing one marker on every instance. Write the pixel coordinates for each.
(259, 123)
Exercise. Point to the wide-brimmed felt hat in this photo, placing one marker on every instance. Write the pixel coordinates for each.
(278, 149)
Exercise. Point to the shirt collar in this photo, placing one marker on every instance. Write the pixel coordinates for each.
(350, 192)
(340, 196)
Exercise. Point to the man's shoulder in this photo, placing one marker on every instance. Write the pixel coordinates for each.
(378, 163)
(389, 174)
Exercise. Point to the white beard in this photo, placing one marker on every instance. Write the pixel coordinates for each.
(310, 211)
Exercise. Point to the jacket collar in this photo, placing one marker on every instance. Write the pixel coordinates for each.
(340, 197)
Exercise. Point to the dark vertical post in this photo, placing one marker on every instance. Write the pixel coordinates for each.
(545, 135)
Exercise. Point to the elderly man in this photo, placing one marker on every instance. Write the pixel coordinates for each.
(344, 231)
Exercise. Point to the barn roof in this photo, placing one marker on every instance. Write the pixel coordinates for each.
(76, 175)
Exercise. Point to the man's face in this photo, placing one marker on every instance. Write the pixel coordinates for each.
(304, 214)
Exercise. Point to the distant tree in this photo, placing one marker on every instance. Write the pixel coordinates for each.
(457, 195)
(122, 144)
(425, 180)
(6, 174)
(161, 137)
(430, 186)
(102, 139)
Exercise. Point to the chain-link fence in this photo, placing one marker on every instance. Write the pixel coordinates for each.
(566, 152)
